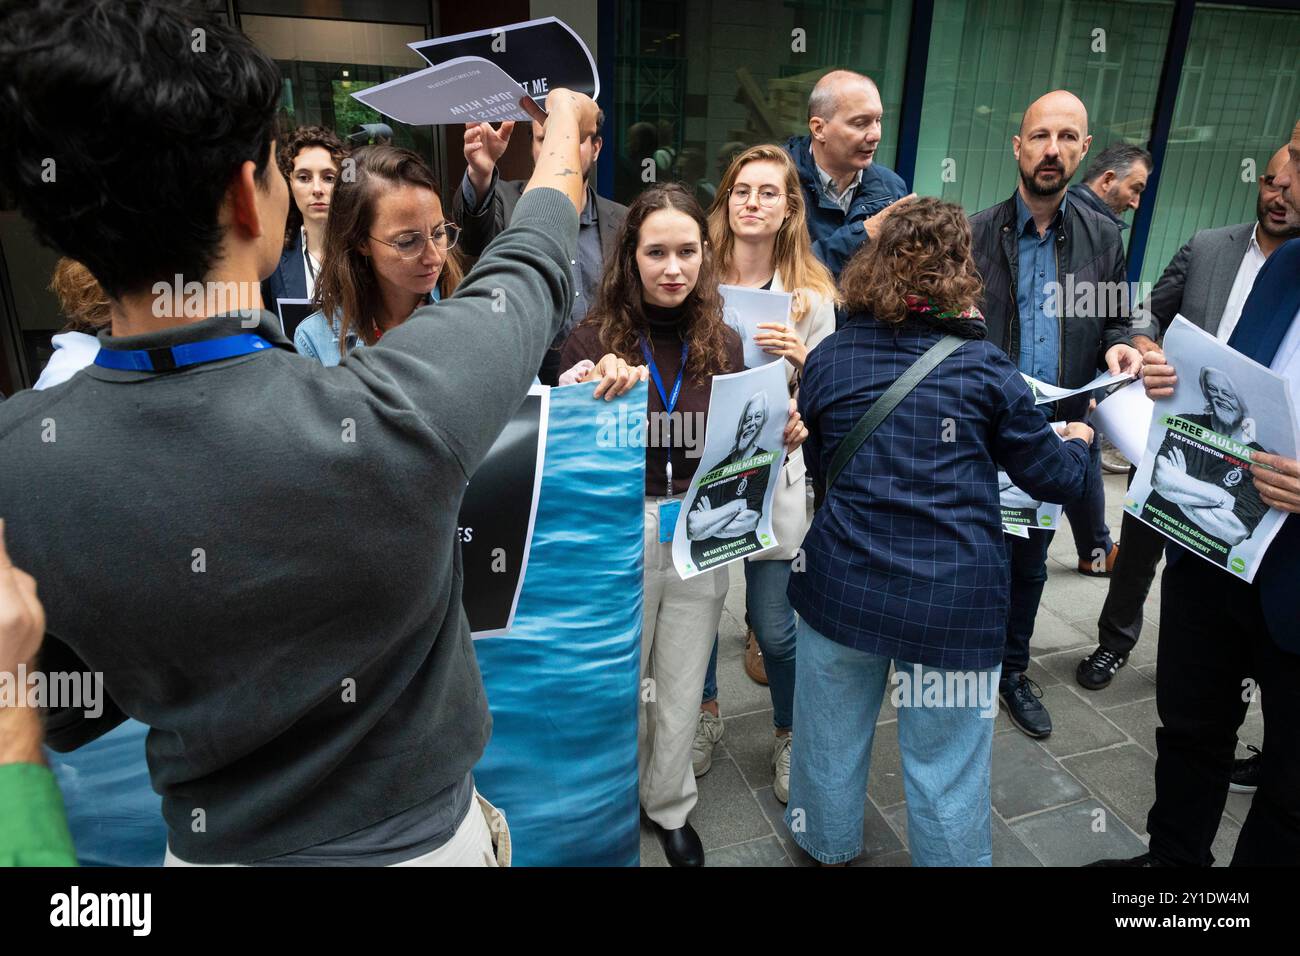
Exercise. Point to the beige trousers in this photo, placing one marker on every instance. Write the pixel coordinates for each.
(679, 622)
(481, 839)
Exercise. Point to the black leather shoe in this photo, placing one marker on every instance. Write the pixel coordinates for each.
(1146, 859)
(682, 846)
(1021, 696)
(1097, 669)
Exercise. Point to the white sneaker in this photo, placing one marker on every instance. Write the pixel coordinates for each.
(707, 733)
(781, 768)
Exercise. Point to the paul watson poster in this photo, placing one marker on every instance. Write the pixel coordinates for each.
(495, 528)
(1194, 483)
(480, 77)
(727, 512)
(1020, 512)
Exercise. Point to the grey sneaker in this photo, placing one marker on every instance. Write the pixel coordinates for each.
(707, 733)
(781, 768)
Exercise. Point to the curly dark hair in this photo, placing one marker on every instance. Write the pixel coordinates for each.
(924, 249)
(618, 312)
(121, 138)
(287, 150)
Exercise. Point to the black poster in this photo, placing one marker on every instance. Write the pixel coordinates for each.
(495, 528)
(540, 55)
(292, 312)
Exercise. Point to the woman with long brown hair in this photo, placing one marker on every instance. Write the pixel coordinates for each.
(659, 304)
(388, 250)
(905, 562)
(760, 240)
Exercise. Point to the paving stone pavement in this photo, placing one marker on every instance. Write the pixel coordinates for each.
(1051, 798)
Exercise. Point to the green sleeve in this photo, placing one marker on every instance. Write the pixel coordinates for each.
(33, 825)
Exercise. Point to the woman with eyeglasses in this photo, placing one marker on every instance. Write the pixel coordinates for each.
(389, 249)
(760, 240)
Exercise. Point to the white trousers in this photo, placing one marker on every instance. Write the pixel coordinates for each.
(679, 622)
(481, 839)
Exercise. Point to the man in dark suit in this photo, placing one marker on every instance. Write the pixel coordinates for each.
(1223, 634)
(1207, 282)
(1029, 249)
(483, 206)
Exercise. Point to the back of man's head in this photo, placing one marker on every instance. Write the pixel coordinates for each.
(123, 124)
(1119, 157)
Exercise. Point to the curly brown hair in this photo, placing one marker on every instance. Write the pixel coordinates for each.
(81, 300)
(618, 312)
(287, 150)
(924, 249)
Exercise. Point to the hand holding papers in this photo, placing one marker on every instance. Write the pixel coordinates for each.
(746, 309)
(727, 512)
(1195, 484)
(488, 76)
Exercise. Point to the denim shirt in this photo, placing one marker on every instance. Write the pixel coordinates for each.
(1040, 333)
(318, 337)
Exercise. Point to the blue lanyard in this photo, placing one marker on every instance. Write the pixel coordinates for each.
(670, 401)
(167, 359)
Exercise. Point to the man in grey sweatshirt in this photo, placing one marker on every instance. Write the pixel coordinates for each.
(257, 553)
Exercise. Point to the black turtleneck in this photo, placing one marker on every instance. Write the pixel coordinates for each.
(664, 326)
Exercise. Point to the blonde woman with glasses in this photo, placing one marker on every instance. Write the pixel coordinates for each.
(760, 237)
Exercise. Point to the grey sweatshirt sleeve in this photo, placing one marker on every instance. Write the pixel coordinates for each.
(464, 365)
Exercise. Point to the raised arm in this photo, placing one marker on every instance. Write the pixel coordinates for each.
(464, 364)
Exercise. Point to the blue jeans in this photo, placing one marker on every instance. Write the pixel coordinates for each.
(1087, 514)
(773, 621)
(945, 754)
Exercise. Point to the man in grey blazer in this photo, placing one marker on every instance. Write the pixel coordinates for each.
(1207, 283)
(483, 206)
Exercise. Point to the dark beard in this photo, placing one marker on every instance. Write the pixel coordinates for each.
(1037, 190)
(1261, 216)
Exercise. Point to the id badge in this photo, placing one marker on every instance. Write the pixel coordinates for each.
(668, 511)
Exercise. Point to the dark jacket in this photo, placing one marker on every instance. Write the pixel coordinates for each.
(1198, 281)
(1090, 249)
(905, 557)
(1267, 316)
(1083, 195)
(289, 280)
(478, 231)
(241, 665)
(836, 236)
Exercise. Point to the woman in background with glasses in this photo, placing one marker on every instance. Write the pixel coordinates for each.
(389, 249)
(760, 240)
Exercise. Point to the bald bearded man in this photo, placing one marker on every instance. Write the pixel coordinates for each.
(1029, 249)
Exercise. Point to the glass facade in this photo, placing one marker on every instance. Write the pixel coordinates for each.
(694, 80)
(989, 59)
(1238, 100)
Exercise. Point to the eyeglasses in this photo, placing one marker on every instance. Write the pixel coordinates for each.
(766, 197)
(411, 244)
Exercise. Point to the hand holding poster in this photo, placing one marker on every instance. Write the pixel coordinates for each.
(1194, 484)
(743, 309)
(1020, 512)
(481, 77)
(727, 513)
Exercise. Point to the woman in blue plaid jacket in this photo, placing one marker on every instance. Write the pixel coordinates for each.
(905, 561)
